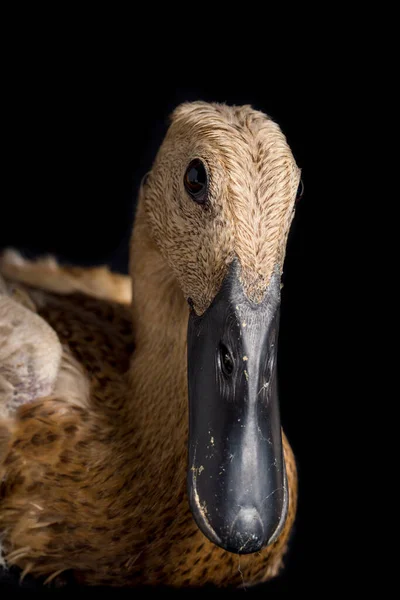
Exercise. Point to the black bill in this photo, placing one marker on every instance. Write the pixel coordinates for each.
(236, 479)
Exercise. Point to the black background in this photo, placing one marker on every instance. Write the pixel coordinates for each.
(78, 139)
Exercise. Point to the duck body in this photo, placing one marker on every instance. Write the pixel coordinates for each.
(87, 493)
(94, 473)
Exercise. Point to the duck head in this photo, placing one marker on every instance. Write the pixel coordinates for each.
(219, 200)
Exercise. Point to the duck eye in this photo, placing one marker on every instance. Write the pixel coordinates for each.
(195, 181)
(300, 191)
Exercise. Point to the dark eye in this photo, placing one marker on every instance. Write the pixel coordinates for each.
(300, 191)
(196, 181)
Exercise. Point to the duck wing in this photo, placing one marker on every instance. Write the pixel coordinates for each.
(30, 350)
(57, 464)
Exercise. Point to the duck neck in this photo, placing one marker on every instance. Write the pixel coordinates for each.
(158, 371)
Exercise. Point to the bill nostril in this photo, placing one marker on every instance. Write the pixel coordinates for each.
(226, 361)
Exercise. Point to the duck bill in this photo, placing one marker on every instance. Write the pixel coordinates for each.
(236, 478)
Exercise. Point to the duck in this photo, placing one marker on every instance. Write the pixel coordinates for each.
(140, 436)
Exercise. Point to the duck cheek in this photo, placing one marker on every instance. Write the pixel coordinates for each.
(236, 479)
